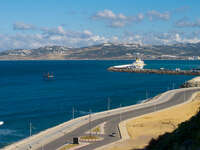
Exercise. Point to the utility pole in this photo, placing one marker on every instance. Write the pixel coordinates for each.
(42, 146)
(184, 96)
(155, 107)
(173, 85)
(90, 113)
(108, 105)
(146, 95)
(30, 128)
(120, 113)
(73, 113)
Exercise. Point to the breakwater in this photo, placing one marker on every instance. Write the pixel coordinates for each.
(156, 71)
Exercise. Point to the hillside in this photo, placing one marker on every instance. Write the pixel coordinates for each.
(185, 137)
(107, 51)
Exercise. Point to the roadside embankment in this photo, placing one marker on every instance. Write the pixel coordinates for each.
(139, 131)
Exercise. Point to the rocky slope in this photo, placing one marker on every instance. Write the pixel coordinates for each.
(195, 82)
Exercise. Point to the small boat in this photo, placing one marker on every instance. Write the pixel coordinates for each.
(48, 76)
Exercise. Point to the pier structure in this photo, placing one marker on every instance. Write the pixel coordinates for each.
(155, 71)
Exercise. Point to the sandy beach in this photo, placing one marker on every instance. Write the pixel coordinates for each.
(142, 129)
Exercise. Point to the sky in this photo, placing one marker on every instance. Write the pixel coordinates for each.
(78, 23)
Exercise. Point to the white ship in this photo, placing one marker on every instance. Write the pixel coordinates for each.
(137, 64)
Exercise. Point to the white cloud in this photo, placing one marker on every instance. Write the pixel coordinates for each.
(116, 20)
(120, 20)
(115, 38)
(121, 16)
(61, 30)
(182, 9)
(87, 32)
(56, 38)
(21, 40)
(105, 14)
(98, 38)
(117, 24)
(50, 36)
(140, 16)
(185, 22)
(155, 15)
(53, 31)
(60, 36)
(159, 38)
(23, 26)
(177, 37)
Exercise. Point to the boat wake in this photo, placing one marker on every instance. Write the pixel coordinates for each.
(1, 123)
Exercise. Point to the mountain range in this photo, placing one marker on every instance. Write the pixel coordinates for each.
(106, 51)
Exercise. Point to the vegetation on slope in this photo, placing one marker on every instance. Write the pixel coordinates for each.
(185, 137)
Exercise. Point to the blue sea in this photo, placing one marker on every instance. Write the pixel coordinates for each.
(26, 97)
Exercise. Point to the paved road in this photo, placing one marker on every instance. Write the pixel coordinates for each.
(62, 134)
(171, 98)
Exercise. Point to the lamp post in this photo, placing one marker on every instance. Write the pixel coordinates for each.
(120, 113)
(146, 94)
(90, 113)
(30, 130)
(108, 105)
(73, 113)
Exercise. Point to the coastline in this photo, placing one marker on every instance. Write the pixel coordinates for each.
(52, 129)
(85, 59)
(49, 135)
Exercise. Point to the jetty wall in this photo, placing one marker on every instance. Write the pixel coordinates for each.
(156, 71)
